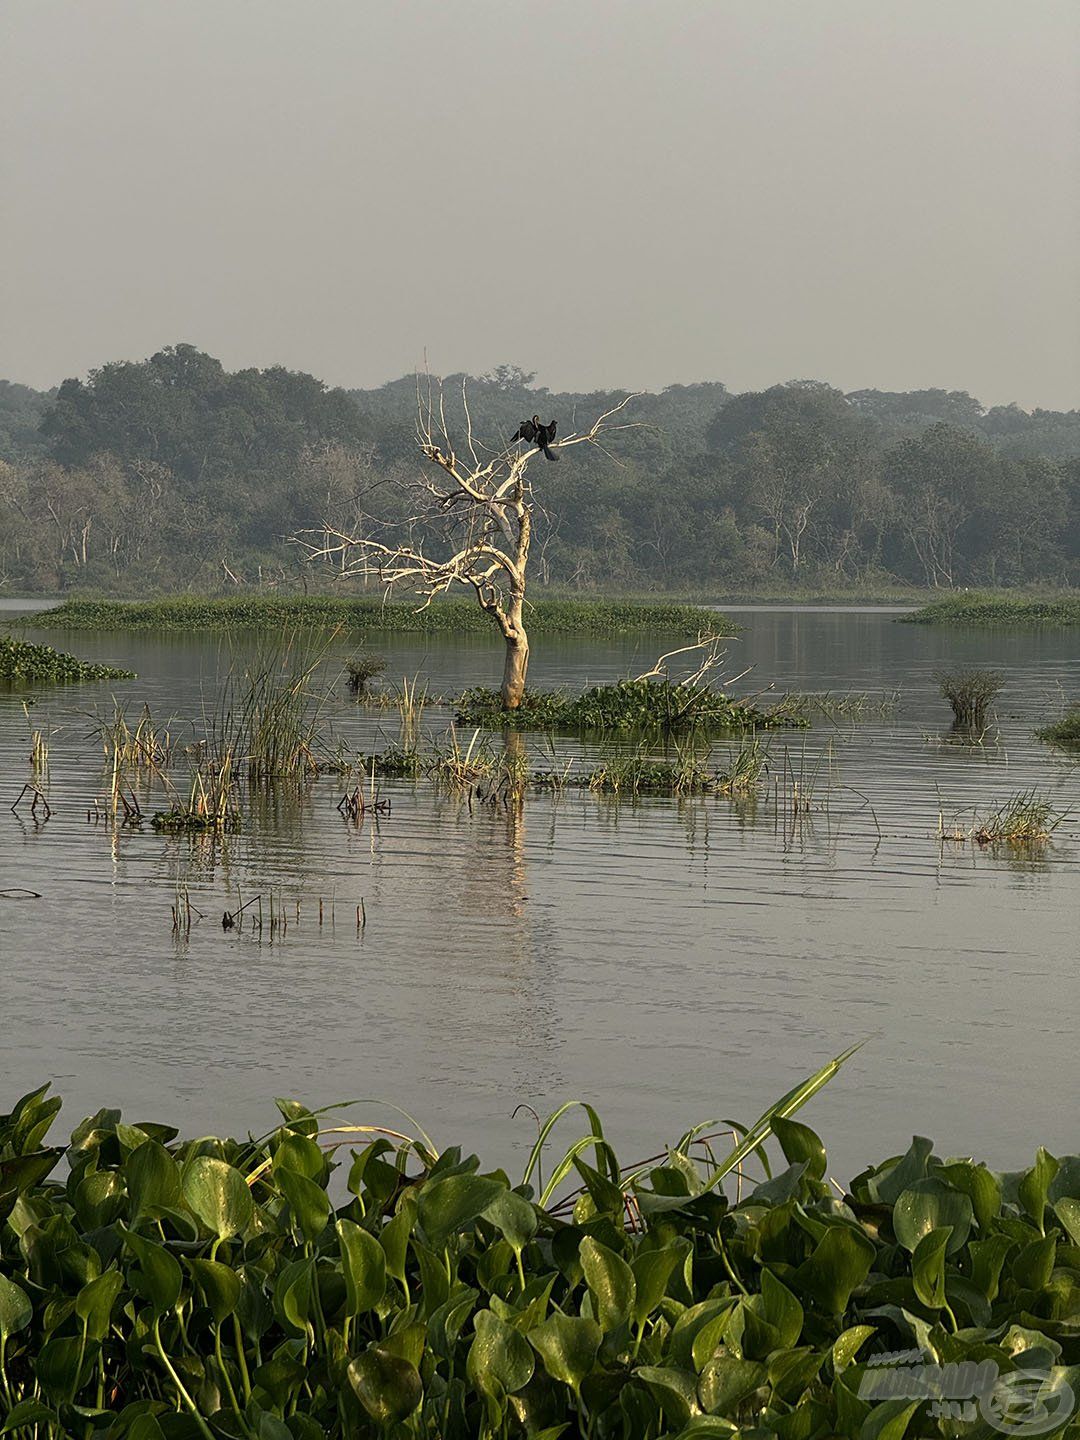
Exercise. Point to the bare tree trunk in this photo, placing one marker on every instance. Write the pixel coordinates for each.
(516, 665)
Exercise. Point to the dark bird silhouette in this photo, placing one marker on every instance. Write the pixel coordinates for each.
(539, 435)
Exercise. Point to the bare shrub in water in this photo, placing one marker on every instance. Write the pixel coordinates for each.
(969, 692)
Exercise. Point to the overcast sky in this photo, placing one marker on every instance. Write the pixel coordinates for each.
(611, 192)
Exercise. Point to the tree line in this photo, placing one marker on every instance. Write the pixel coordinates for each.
(174, 473)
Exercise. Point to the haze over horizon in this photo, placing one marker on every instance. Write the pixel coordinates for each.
(619, 193)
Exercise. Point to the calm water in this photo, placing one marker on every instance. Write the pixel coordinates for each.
(668, 960)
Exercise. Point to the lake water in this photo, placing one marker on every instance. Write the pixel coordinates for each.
(669, 960)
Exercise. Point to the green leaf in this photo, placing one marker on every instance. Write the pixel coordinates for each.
(1033, 1187)
(217, 1285)
(1068, 1212)
(781, 1309)
(218, 1195)
(610, 1281)
(567, 1344)
(652, 1271)
(726, 1382)
(153, 1179)
(308, 1202)
(159, 1277)
(16, 1310)
(394, 1239)
(839, 1264)
(889, 1420)
(388, 1387)
(800, 1143)
(363, 1261)
(500, 1362)
(981, 1188)
(95, 1301)
(932, 1205)
(292, 1294)
(847, 1346)
(446, 1206)
(675, 1391)
(514, 1217)
(928, 1267)
(27, 1413)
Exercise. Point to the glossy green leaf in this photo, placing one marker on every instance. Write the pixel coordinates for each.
(800, 1143)
(610, 1281)
(363, 1261)
(218, 1195)
(567, 1344)
(932, 1205)
(1035, 1184)
(839, 1264)
(454, 1203)
(500, 1361)
(95, 1301)
(652, 1270)
(388, 1387)
(217, 1286)
(309, 1203)
(727, 1381)
(16, 1310)
(928, 1267)
(158, 1278)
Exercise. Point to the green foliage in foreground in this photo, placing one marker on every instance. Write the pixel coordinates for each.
(973, 609)
(553, 617)
(42, 665)
(628, 705)
(1065, 731)
(154, 1287)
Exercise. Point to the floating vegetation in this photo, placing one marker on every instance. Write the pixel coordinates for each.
(661, 706)
(746, 768)
(969, 692)
(639, 773)
(1024, 819)
(1064, 732)
(211, 803)
(360, 670)
(344, 1276)
(979, 609)
(21, 662)
(277, 612)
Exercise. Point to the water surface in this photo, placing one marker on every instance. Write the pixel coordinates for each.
(670, 960)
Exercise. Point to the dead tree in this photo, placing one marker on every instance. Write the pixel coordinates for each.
(470, 524)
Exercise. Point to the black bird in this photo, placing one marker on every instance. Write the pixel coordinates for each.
(537, 434)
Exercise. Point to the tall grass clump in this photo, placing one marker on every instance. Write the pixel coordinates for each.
(969, 693)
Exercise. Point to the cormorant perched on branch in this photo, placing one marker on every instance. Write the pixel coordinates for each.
(537, 434)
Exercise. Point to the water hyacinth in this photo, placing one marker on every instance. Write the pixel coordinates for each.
(21, 662)
(336, 1278)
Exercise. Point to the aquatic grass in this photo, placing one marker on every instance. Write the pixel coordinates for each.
(23, 663)
(746, 768)
(1064, 732)
(193, 612)
(342, 1274)
(146, 747)
(1027, 818)
(638, 772)
(969, 692)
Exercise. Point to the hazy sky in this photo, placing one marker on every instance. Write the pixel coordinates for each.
(611, 192)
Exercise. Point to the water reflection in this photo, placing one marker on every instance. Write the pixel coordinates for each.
(666, 958)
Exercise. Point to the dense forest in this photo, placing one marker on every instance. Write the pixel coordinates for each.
(175, 474)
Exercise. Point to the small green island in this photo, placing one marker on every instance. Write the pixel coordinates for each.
(23, 663)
